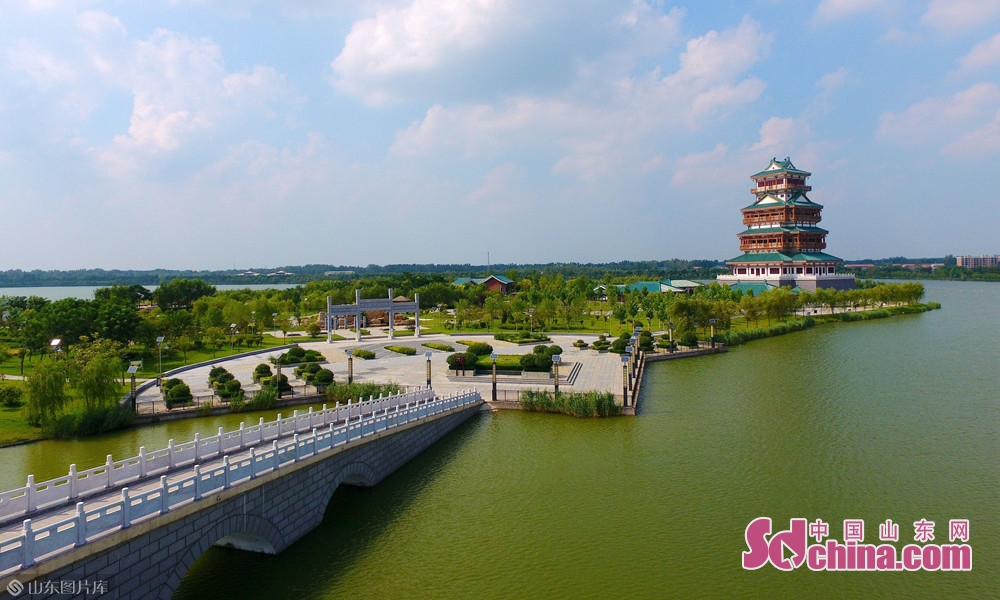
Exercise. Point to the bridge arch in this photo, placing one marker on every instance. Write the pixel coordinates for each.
(356, 473)
(245, 532)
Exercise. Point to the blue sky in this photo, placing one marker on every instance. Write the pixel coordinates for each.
(249, 133)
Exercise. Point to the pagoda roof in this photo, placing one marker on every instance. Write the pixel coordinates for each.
(781, 166)
(797, 199)
(757, 257)
(792, 229)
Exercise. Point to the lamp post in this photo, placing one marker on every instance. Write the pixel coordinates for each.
(628, 359)
(277, 381)
(232, 336)
(493, 357)
(670, 325)
(131, 371)
(159, 360)
(624, 380)
(556, 359)
(350, 367)
(427, 355)
(274, 319)
(634, 344)
(712, 323)
(531, 317)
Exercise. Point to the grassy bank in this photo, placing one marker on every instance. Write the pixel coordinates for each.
(737, 337)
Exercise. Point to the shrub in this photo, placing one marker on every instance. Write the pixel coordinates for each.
(344, 392)
(364, 354)
(307, 371)
(460, 361)
(402, 350)
(262, 370)
(479, 349)
(281, 381)
(228, 388)
(586, 404)
(581, 344)
(265, 398)
(323, 378)
(689, 339)
(645, 341)
(237, 403)
(518, 337)
(439, 346)
(178, 393)
(91, 422)
(10, 396)
(168, 384)
(216, 372)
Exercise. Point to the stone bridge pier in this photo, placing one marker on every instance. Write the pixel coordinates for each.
(265, 514)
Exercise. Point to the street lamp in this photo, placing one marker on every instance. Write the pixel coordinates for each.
(131, 371)
(232, 336)
(277, 381)
(628, 352)
(712, 323)
(624, 380)
(54, 344)
(531, 316)
(159, 359)
(350, 367)
(427, 355)
(274, 319)
(493, 357)
(556, 359)
(670, 324)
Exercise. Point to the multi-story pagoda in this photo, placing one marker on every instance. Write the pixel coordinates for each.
(782, 244)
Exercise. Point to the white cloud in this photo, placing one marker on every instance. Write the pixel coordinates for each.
(95, 23)
(937, 120)
(833, 10)
(831, 82)
(180, 87)
(42, 68)
(782, 136)
(954, 16)
(499, 192)
(415, 38)
(611, 121)
(983, 55)
(978, 142)
(699, 167)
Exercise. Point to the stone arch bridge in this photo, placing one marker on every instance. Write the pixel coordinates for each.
(136, 526)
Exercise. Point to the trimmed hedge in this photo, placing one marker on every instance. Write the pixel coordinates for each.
(439, 346)
(364, 354)
(405, 350)
(519, 337)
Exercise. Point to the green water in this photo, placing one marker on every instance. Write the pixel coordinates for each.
(896, 418)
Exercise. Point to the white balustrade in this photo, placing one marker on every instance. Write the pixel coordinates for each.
(327, 429)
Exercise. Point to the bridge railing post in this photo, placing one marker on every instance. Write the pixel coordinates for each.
(170, 453)
(109, 466)
(219, 435)
(29, 544)
(274, 447)
(197, 447)
(164, 499)
(30, 493)
(81, 525)
(197, 482)
(225, 472)
(253, 462)
(261, 423)
(142, 461)
(72, 481)
(242, 435)
(279, 425)
(126, 509)
(295, 445)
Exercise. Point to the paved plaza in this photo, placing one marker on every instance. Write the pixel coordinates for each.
(595, 371)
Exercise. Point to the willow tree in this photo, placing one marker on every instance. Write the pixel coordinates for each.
(46, 391)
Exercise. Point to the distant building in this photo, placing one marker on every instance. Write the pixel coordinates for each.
(675, 286)
(972, 262)
(782, 244)
(497, 283)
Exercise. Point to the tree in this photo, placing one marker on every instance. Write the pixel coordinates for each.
(181, 293)
(312, 328)
(46, 391)
(184, 343)
(97, 381)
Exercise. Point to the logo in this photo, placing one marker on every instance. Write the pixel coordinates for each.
(15, 587)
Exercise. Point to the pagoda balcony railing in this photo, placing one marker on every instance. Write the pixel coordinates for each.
(779, 187)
